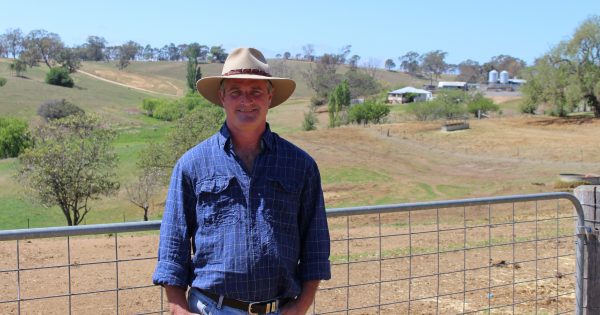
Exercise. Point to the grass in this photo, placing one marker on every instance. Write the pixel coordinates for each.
(352, 175)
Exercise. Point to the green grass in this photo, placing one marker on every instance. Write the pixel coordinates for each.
(352, 175)
(453, 191)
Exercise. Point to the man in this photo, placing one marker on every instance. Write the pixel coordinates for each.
(244, 223)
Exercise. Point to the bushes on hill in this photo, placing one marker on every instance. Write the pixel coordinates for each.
(59, 76)
(2, 81)
(56, 109)
(172, 110)
(14, 137)
(368, 112)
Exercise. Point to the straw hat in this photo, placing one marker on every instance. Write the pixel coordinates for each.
(246, 63)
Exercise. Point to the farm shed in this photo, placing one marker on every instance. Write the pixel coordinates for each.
(452, 85)
(400, 96)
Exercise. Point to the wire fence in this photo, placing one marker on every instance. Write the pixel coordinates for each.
(501, 255)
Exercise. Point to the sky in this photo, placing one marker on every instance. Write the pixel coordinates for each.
(377, 30)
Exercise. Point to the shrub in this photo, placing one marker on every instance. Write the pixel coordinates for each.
(482, 104)
(150, 104)
(2, 81)
(368, 112)
(59, 76)
(423, 111)
(56, 109)
(14, 137)
(169, 111)
(528, 108)
(310, 121)
(173, 110)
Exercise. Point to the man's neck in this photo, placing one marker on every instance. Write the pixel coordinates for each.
(247, 140)
(246, 145)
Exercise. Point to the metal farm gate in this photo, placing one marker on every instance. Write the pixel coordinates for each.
(501, 255)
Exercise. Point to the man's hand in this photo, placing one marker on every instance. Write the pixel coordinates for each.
(301, 305)
(177, 301)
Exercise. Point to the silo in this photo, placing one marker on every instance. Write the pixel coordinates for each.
(504, 77)
(493, 77)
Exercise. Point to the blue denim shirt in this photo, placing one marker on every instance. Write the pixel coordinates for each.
(250, 237)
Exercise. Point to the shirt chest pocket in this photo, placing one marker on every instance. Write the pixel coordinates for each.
(282, 199)
(218, 202)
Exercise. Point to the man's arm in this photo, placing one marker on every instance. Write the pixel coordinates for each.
(301, 305)
(177, 301)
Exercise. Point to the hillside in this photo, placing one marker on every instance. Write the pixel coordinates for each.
(21, 96)
(169, 77)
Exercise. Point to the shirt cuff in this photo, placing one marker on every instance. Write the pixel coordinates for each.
(315, 271)
(169, 273)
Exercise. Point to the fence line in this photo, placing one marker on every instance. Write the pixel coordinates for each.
(401, 259)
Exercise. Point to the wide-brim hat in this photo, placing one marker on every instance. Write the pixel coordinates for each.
(246, 63)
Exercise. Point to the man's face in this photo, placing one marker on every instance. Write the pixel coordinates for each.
(246, 102)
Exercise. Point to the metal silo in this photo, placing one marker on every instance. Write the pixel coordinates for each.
(493, 77)
(504, 77)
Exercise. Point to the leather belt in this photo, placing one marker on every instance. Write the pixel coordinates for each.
(253, 308)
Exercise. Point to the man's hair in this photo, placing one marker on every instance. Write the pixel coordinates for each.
(222, 86)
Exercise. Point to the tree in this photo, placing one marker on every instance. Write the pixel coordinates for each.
(308, 50)
(480, 104)
(410, 62)
(360, 83)
(193, 70)
(368, 112)
(72, 163)
(505, 63)
(69, 59)
(43, 45)
(218, 54)
(94, 48)
(190, 130)
(14, 137)
(433, 64)
(339, 99)
(470, 71)
(389, 64)
(13, 39)
(287, 55)
(56, 109)
(141, 192)
(569, 75)
(353, 62)
(322, 76)
(59, 76)
(18, 66)
(127, 52)
(344, 52)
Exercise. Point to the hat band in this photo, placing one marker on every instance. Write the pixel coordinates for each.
(247, 71)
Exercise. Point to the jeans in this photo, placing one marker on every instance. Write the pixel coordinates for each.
(203, 305)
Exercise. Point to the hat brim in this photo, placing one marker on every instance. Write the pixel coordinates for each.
(282, 87)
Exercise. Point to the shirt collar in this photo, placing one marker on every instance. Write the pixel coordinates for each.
(224, 138)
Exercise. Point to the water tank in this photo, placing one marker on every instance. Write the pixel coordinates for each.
(493, 77)
(504, 77)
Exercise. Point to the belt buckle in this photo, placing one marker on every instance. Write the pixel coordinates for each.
(269, 307)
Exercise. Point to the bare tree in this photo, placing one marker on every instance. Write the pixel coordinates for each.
(142, 191)
(371, 67)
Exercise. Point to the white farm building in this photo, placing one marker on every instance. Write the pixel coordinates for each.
(402, 95)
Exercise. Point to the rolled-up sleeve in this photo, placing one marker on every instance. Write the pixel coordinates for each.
(315, 246)
(174, 251)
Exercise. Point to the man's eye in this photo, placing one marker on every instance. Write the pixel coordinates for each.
(234, 93)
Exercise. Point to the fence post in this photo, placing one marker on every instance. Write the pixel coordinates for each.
(589, 196)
